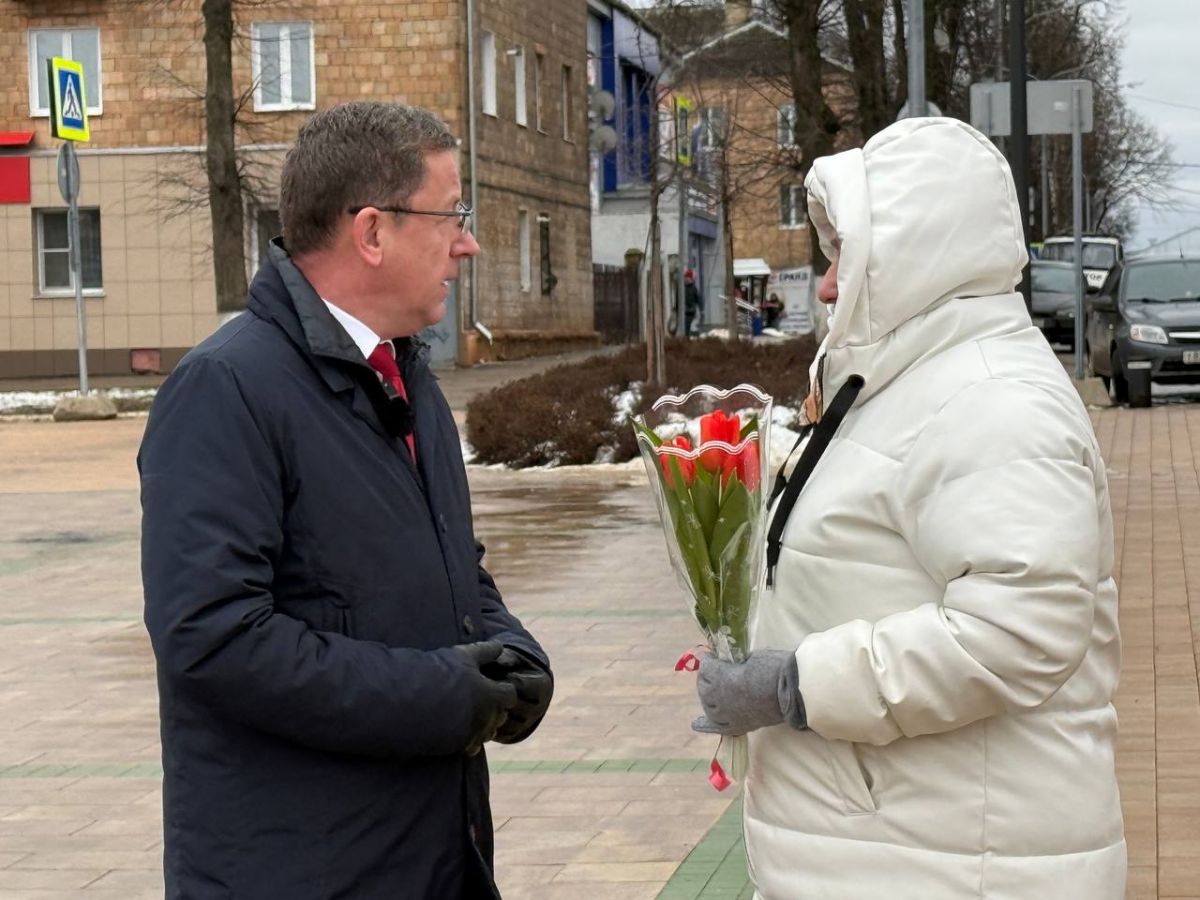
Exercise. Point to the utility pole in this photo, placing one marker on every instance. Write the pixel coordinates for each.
(1019, 146)
(916, 59)
(999, 41)
(1045, 191)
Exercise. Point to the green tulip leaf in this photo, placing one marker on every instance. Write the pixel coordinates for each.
(654, 439)
(750, 427)
(704, 496)
(693, 548)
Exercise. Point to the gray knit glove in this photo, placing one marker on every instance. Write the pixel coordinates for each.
(741, 697)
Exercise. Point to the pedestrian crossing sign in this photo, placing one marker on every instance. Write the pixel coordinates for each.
(68, 102)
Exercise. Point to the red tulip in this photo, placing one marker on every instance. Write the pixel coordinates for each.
(686, 466)
(717, 427)
(745, 465)
(748, 467)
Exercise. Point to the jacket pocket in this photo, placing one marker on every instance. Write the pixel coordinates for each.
(850, 777)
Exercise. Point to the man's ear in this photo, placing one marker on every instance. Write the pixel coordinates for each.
(365, 233)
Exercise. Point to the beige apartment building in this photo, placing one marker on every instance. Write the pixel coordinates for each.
(145, 227)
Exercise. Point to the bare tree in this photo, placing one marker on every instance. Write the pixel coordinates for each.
(229, 177)
(224, 185)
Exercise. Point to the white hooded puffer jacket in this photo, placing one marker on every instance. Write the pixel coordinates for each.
(946, 575)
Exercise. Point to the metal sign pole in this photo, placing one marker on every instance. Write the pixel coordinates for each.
(1077, 204)
(916, 59)
(680, 287)
(68, 183)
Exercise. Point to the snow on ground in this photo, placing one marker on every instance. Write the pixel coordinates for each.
(44, 401)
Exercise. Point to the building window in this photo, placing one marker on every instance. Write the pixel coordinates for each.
(539, 69)
(54, 257)
(525, 250)
(787, 125)
(568, 102)
(79, 44)
(264, 226)
(521, 112)
(282, 58)
(487, 61)
(549, 279)
(791, 206)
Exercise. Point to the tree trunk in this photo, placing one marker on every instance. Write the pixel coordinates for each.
(817, 126)
(864, 31)
(656, 363)
(901, 54)
(224, 185)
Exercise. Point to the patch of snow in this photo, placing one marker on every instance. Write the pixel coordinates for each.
(44, 401)
(625, 403)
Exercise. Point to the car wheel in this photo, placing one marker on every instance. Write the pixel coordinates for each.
(1138, 389)
(1119, 389)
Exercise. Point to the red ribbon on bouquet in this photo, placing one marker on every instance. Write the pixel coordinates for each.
(689, 662)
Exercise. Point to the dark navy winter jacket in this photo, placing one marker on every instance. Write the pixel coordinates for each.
(302, 581)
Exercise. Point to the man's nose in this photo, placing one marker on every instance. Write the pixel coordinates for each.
(466, 245)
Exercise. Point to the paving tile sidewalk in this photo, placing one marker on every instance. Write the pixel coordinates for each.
(609, 798)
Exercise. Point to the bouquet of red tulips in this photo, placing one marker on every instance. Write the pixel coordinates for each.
(705, 452)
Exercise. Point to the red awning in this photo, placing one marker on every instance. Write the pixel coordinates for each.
(16, 138)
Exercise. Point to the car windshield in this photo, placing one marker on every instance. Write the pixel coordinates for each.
(1095, 256)
(1163, 282)
(1053, 279)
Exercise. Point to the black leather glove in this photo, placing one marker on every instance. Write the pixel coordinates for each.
(534, 686)
(491, 699)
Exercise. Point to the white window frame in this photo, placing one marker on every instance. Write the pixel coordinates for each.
(253, 231)
(487, 65)
(539, 73)
(40, 250)
(797, 214)
(525, 250)
(785, 125)
(94, 92)
(521, 112)
(568, 102)
(285, 67)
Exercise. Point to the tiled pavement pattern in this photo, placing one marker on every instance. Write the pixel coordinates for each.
(608, 799)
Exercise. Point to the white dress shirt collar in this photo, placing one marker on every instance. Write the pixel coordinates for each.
(364, 338)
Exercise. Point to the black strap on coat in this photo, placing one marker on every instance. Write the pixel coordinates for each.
(822, 434)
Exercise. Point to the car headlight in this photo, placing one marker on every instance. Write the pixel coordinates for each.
(1147, 334)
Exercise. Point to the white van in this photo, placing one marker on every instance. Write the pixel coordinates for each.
(1100, 254)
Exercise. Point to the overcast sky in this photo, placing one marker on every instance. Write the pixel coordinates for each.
(1162, 46)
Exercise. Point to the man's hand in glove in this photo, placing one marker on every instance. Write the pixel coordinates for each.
(741, 697)
(534, 687)
(491, 700)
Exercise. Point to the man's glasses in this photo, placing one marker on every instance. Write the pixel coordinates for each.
(461, 211)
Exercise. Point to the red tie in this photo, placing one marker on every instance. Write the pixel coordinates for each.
(383, 361)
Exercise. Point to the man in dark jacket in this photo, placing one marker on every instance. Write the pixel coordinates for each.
(331, 653)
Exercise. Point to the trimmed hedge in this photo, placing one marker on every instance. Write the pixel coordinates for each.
(567, 415)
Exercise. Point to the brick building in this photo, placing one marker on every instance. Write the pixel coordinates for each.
(735, 69)
(145, 227)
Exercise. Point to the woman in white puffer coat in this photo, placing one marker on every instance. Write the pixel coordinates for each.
(929, 696)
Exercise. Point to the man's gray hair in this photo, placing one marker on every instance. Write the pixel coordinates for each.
(354, 154)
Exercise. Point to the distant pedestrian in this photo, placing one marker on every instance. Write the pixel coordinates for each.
(929, 698)
(331, 653)
(692, 303)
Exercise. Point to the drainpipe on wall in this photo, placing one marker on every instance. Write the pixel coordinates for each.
(473, 304)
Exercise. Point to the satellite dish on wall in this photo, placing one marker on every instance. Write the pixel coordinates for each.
(602, 103)
(603, 139)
